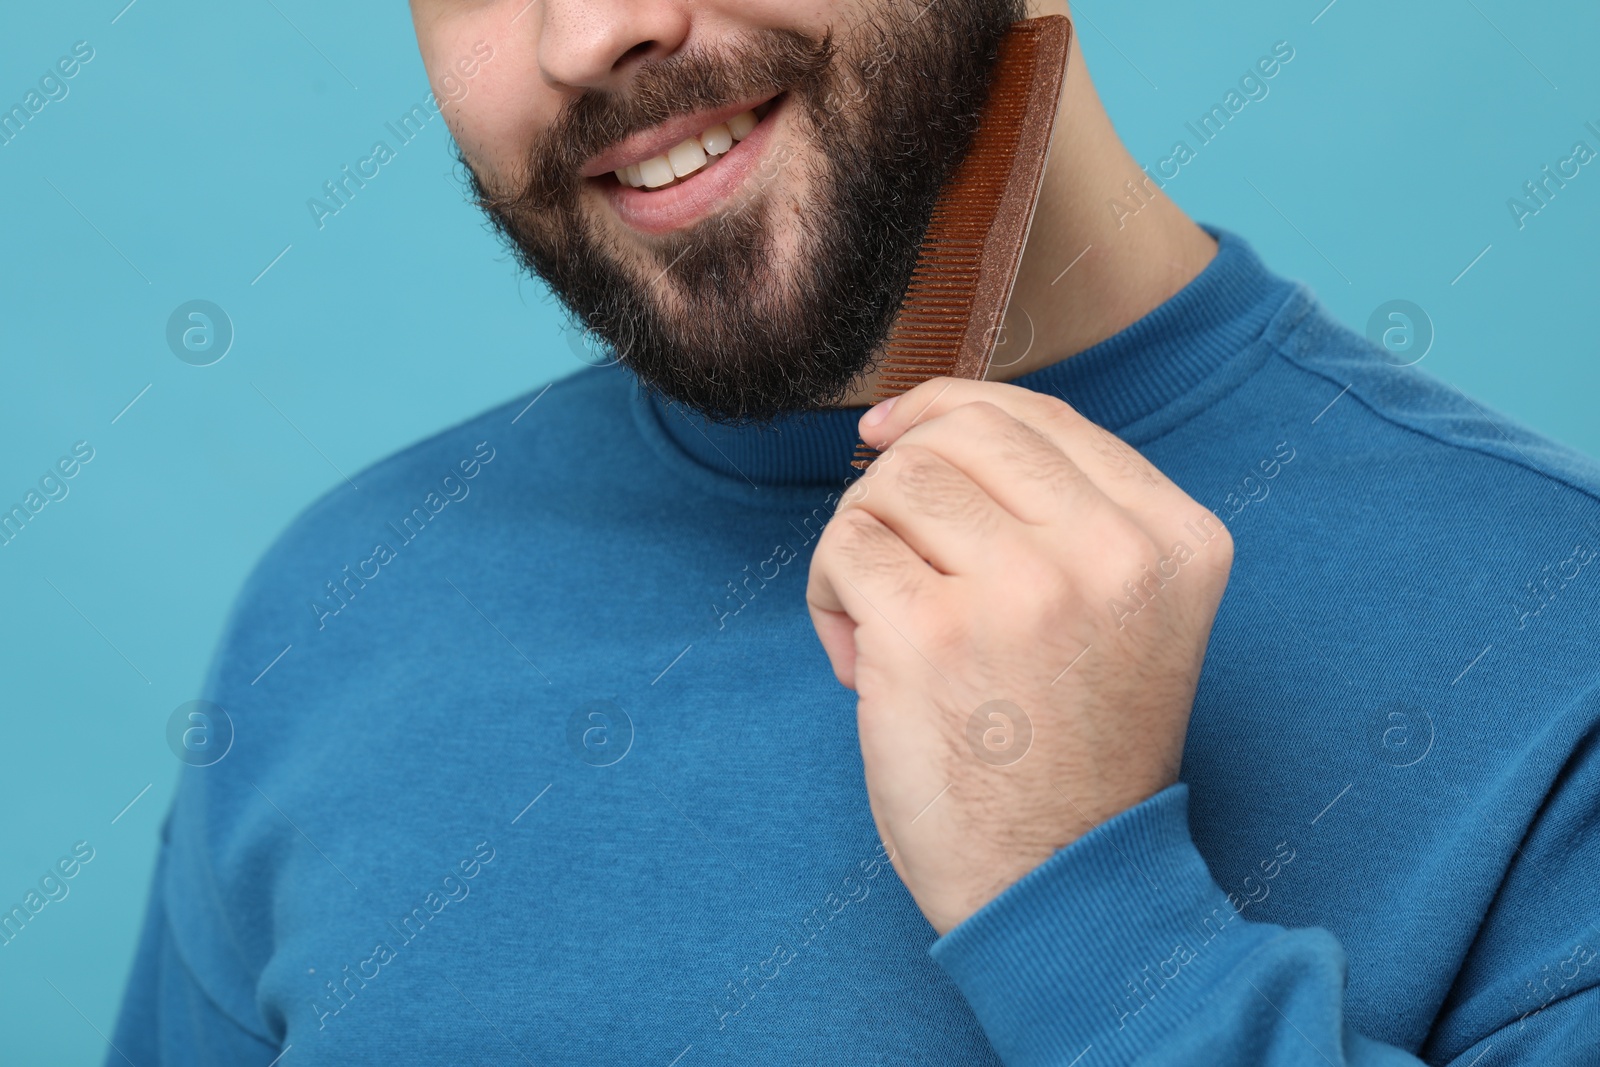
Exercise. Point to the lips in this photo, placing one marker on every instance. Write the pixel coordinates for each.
(660, 139)
(677, 173)
(688, 155)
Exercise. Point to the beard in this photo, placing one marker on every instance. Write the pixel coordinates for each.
(711, 316)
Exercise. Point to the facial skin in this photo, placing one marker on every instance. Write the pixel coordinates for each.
(767, 281)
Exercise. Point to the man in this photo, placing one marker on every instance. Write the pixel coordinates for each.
(1203, 689)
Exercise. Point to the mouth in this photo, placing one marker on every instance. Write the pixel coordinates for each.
(669, 176)
(694, 153)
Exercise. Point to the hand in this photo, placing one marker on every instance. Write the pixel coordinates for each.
(1021, 603)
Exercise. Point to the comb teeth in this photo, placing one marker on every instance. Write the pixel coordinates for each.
(973, 246)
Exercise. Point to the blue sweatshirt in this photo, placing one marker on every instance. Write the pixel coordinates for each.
(535, 758)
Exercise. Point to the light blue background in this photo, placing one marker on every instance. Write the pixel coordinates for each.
(1381, 163)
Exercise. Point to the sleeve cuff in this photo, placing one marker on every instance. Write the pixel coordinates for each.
(1108, 944)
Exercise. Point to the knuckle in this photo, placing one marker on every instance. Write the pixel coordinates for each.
(1122, 459)
(1202, 530)
(852, 529)
(972, 419)
(1126, 549)
(982, 412)
(934, 488)
(1121, 534)
(858, 543)
(944, 633)
(1019, 441)
(919, 396)
(1041, 591)
(1029, 443)
(1028, 448)
(1220, 550)
(1058, 415)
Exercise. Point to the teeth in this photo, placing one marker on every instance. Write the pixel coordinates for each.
(717, 140)
(689, 155)
(686, 157)
(656, 172)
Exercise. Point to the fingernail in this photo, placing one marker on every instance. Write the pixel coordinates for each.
(878, 412)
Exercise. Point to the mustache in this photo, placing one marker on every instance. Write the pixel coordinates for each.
(759, 63)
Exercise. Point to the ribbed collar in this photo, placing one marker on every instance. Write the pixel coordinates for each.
(1124, 379)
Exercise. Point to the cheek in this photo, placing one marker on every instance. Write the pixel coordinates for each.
(718, 18)
(496, 114)
(497, 122)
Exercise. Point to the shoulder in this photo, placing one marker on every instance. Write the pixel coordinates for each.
(445, 497)
(526, 442)
(312, 664)
(1437, 511)
(1419, 417)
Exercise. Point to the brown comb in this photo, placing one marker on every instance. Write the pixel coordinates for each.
(950, 320)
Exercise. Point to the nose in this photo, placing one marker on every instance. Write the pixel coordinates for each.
(595, 44)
